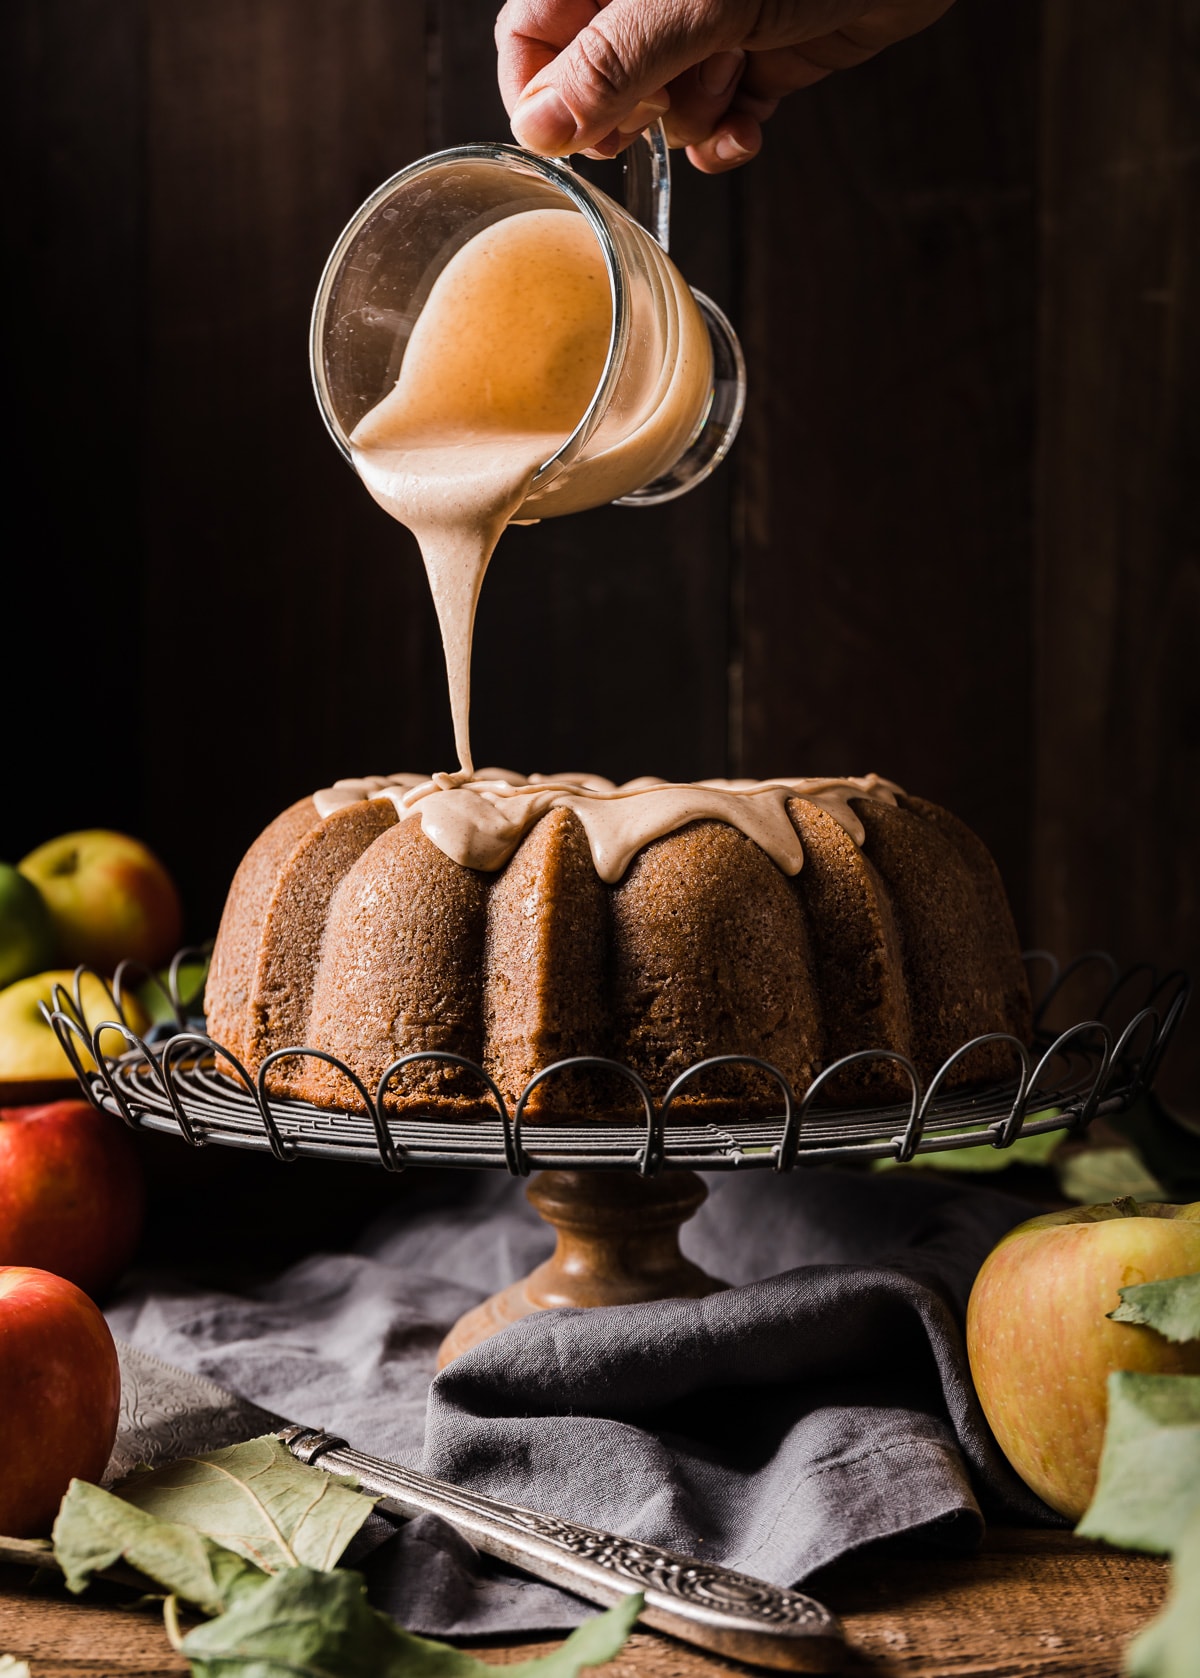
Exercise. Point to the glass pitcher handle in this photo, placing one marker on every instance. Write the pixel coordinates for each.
(648, 183)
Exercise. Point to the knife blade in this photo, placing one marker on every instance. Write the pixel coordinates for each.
(168, 1413)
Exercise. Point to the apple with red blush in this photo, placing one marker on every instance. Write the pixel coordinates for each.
(1042, 1344)
(109, 897)
(71, 1192)
(60, 1395)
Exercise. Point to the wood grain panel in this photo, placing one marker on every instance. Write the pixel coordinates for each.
(71, 611)
(1031, 1605)
(303, 610)
(888, 243)
(855, 589)
(1118, 598)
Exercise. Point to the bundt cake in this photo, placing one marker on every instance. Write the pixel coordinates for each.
(519, 922)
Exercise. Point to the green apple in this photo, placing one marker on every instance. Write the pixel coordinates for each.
(30, 1052)
(109, 896)
(27, 939)
(1042, 1346)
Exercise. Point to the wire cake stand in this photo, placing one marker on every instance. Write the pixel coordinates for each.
(617, 1192)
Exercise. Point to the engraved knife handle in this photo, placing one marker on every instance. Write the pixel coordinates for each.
(728, 1613)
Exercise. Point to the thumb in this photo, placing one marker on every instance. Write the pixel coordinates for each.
(613, 73)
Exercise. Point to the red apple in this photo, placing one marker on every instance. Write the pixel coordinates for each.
(109, 898)
(1041, 1344)
(71, 1192)
(60, 1396)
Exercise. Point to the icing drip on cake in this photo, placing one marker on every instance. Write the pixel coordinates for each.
(479, 822)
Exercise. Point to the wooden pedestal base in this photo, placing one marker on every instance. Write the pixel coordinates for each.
(618, 1244)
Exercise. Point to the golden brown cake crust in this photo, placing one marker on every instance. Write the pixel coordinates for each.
(229, 988)
(400, 973)
(356, 935)
(858, 967)
(546, 967)
(710, 958)
(956, 987)
(1000, 934)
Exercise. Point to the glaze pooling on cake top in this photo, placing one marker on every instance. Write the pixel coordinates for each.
(479, 820)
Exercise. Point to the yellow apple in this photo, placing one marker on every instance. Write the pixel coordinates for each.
(1041, 1345)
(109, 898)
(30, 1053)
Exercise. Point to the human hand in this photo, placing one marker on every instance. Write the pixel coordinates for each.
(588, 75)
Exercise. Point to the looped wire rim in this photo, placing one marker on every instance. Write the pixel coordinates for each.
(177, 1087)
(648, 1160)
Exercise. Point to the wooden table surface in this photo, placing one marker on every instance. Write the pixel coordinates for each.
(1030, 1605)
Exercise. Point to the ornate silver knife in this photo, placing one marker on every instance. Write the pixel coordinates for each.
(168, 1413)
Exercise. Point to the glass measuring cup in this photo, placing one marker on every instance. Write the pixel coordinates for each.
(670, 396)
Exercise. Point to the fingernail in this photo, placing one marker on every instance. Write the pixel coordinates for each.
(608, 147)
(642, 115)
(730, 150)
(718, 73)
(543, 123)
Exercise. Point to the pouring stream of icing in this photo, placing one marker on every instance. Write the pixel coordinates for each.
(500, 367)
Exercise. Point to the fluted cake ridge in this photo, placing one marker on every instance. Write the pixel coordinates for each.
(352, 927)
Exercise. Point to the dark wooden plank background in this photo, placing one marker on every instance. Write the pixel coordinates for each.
(958, 542)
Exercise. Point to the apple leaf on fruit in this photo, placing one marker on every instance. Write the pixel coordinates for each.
(1167, 1648)
(257, 1500)
(95, 1530)
(1171, 1307)
(305, 1624)
(1149, 1483)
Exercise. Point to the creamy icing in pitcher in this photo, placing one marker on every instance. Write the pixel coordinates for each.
(494, 339)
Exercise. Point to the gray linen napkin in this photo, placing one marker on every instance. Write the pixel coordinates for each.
(821, 1403)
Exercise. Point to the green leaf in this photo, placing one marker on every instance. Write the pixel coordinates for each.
(1171, 1307)
(95, 1530)
(590, 1644)
(247, 1524)
(1026, 1150)
(154, 998)
(1094, 1175)
(1170, 1148)
(257, 1500)
(27, 1552)
(1149, 1483)
(305, 1624)
(1168, 1646)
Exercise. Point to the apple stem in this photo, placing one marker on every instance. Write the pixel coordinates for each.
(171, 1621)
(1127, 1207)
